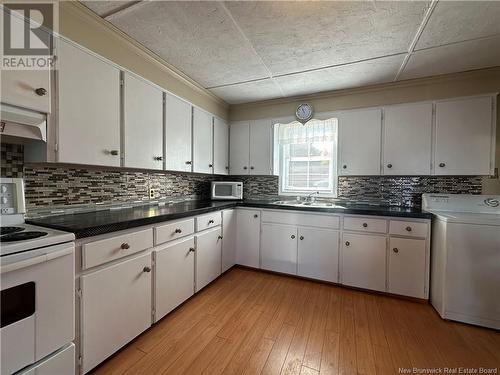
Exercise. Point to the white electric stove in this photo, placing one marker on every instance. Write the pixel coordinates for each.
(37, 294)
(465, 257)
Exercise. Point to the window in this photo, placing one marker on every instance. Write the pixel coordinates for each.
(305, 156)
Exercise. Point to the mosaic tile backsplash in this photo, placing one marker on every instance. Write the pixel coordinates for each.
(54, 185)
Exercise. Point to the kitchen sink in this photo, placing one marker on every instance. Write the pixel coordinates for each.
(307, 204)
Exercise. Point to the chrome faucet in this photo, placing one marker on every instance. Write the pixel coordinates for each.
(309, 198)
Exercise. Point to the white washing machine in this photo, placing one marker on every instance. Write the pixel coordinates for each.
(465, 257)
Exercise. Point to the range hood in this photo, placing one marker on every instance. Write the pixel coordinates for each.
(23, 123)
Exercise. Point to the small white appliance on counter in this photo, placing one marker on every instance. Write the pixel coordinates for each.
(226, 190)
(465, 271)
(37, 297)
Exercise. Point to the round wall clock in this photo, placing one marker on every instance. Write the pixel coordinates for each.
(304, 113)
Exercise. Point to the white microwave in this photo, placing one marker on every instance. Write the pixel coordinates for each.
(226, 190)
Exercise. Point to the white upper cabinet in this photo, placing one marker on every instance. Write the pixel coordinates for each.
(221, 146)
(26, 89)
(407, 139)
(239, 147)
(251, 147)
(360, 142)
(260, 147)
(202, 141)
(89, 108)
(464, 136)
(142, 124)
(178, 115)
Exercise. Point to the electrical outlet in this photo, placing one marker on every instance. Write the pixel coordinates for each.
(152, 193)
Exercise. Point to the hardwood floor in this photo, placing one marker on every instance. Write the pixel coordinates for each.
(249, 322)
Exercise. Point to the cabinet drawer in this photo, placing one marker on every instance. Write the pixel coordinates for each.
(293, 218)
(208, 221)
(99, 252)
(364, 224)
(172, 231)
(408, 228)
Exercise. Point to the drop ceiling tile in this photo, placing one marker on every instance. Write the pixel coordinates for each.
(458, 57)
(198, 38)
(248, 92)
(364, 73)
(456, 21)
(104, 7)
(297, 36)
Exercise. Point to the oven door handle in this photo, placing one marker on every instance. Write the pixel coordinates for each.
(36, 260)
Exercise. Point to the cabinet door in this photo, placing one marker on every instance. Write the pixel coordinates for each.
(359, 142)
(239, 144)
(221, 147)
(363, 261)
(116, 307)
(143, 124)
(174, 276)
(407, 139)
(177, 134)
(247, 237)
(202, 141)
(25, 89)
(407, 263)
(89, 109)
(228, 239)
(463, 136)
(260, 147)
(208, 257)
(279, 248)
(318, 254)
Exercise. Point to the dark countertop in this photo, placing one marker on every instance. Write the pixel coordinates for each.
(92, 223)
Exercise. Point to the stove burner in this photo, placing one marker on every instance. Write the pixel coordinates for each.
(9, 230)
(21, 236)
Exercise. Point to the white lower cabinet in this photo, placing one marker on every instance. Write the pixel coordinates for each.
(318, 254)
(174, 275)
(278, 250)
(407, 267)
(115, 308)
(363, 261)
(248, 237)
(228, 239)
(208, 257)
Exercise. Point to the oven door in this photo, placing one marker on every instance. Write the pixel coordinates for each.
(38, 300)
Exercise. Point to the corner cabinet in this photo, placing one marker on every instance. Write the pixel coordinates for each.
(359, 142)
(208, 257)
(142, 124)
(178, 116)
(88, 108)
(248, 237)
(202, 141)
(228, 239)
(109, 319)
(464, 136)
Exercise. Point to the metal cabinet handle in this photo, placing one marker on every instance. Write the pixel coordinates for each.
(347, 243)
(408, 229)
(227, 167)
(442, 165)
(292, 236)
(125, 246)
(396, 250)
(191, 249)
(178, 230)
(158, 158)
(256, 216)
(113, 152)
(210, 166)
(245, 168)
(344, 166)
(252, 167)
(210, 221)
(146, 269)
(41, 91)
(301, 238)
(220, 237)
(389, 165)
(189, 162)
(365, 225)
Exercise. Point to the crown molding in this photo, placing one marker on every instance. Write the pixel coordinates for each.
(444, 78)
(82, 12)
